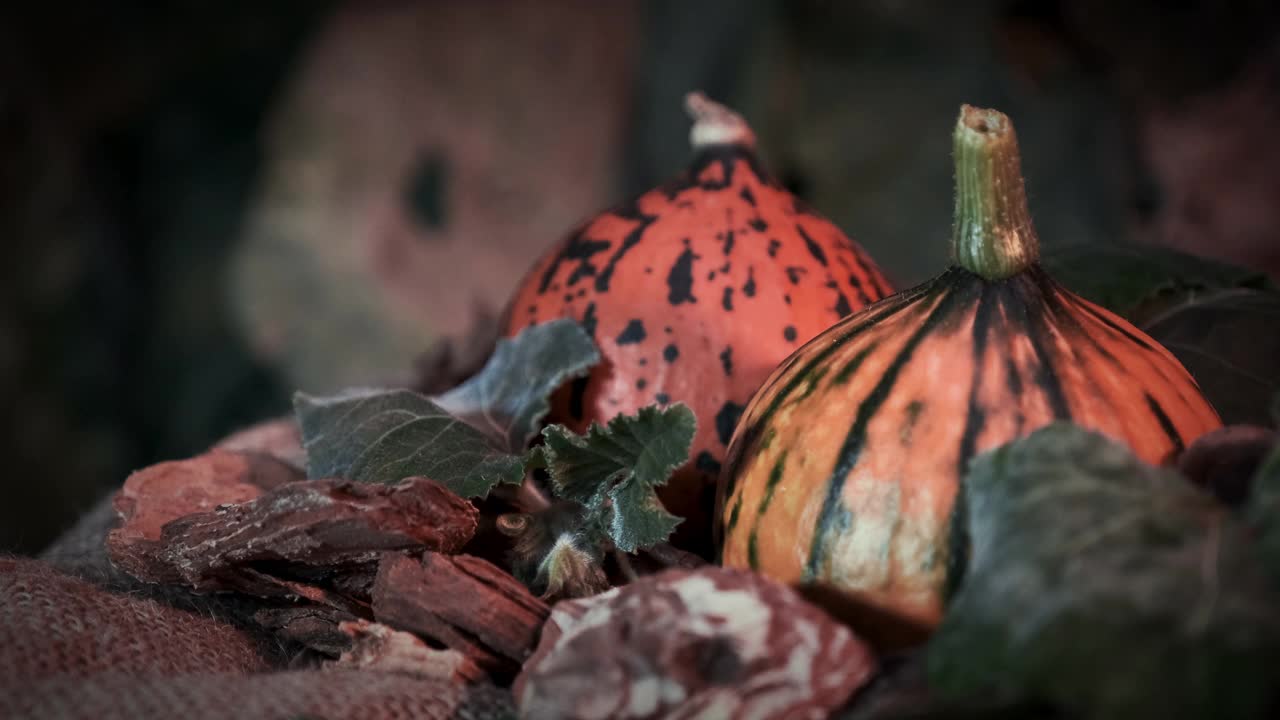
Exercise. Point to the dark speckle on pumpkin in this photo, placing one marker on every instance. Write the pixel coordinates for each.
(662, 398)
(670, 353)
(641, 383)
(707, 463)
(727, 420)
(773, 247)
(427, 192)
(814, 248)
(589, 319)
(750, 288)
(789, 332)
(726, 361)
(632, 333)
(680, 279)
(727, 301)
(758, 224)
(842, 303)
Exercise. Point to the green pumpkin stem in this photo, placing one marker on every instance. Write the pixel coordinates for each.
(993, 236)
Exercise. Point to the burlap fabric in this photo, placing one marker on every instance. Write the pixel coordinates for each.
(80, 640)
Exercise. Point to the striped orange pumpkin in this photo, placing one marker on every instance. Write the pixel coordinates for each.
(845, 468)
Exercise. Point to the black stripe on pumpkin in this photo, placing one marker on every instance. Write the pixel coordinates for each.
(733, 516)
(1070, 322)
(850, 368)
(815, 377)
(1156, 359)
(833, 509)
(775, 478)
(958, 545)
(791, 379)
(1109, 322)
(868, 322)
(791, 376)
(975, 419)
(1165, 423)
(1027, 307)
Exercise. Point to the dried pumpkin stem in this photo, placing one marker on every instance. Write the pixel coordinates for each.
(715, 124)
(993, 236)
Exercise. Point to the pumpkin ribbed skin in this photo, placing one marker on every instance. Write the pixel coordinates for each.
(694, 292)
(846, 465)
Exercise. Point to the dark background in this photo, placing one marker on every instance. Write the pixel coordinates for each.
(204, 206)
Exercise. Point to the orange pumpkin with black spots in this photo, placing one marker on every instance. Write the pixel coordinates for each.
(694, 292)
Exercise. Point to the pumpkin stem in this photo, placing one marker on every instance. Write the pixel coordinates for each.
(993, 235)
(715, 124)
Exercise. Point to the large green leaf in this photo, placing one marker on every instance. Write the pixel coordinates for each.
(1263, 512)
(509, 398)
(1135, 280)
(1230, 343)
(1108, 587)
(471, 438)
(613, 470)
(385, 436)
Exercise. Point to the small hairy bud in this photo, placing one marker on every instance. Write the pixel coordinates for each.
(569, 571)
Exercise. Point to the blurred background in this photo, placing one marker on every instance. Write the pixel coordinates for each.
(205, 206)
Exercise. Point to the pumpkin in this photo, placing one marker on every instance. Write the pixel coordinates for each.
(694, 291)
(844, 471)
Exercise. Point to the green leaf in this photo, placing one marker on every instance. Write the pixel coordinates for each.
(1263, 512)
(1136, 280)
(1229, 342)
(471, 438)
(384, 436)
(509, 397)
(1106, 587)
(613, 470)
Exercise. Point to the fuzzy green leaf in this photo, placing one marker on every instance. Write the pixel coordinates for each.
(509, 397)
(384, 436)
(1107, 587)
(613, 471)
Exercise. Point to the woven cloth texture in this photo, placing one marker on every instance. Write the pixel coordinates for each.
(79, 639)
(53, 624)
(340, 695)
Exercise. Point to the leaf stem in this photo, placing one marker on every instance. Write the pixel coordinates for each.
(624, 564)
